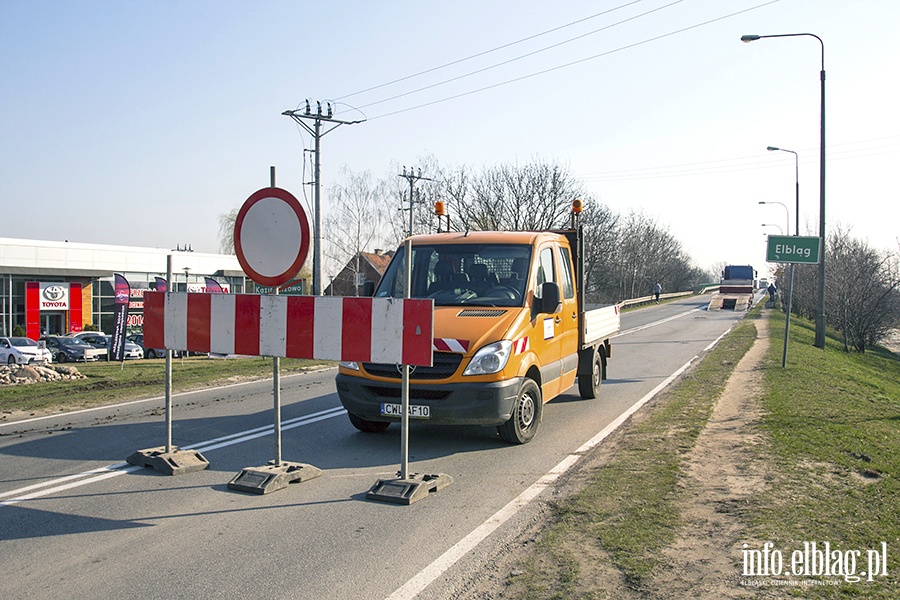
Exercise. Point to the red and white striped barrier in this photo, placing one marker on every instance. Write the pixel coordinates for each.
(384, 330)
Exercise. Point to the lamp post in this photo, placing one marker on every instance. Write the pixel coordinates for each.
(796, 188)
(787, 216)
(820, 317)
(774, 225)
(790, 298)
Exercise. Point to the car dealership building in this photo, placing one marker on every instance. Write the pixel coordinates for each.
(58, 287)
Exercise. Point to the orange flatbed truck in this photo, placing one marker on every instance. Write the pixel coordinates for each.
(511, 332)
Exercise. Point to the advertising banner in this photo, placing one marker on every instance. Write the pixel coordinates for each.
(213, 286)
(123, 295)
(161, 285)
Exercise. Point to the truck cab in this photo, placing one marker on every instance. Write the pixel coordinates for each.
(508, 333)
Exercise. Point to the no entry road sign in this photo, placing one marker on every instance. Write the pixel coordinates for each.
(271, 236)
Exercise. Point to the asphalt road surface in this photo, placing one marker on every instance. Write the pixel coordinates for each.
(77, 522)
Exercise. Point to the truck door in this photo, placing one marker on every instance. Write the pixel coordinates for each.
(567, 330)
(548, 327)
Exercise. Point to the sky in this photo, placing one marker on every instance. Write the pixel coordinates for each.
(141, 123)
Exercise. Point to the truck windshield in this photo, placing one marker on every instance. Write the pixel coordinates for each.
(461, 274)
(738, 272)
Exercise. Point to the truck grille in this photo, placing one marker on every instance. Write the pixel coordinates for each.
(481, 312)
(414, 393)
(445, 365)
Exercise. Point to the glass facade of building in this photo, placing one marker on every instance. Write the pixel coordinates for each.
(98, 299)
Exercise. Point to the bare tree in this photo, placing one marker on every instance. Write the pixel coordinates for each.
(862, 284)
(602, 236)
(511, 198)
(646, 253)
(226, 231)
(357, 221)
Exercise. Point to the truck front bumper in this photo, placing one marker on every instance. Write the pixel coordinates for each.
(484, 403)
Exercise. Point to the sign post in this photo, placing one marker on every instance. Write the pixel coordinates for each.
(793, 250)
(407, 488)
(271, 240)
(169, 459)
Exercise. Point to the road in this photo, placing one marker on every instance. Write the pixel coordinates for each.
(77, 522)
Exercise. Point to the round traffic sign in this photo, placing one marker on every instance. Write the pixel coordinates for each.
(271, 236)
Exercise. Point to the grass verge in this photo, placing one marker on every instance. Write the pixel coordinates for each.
(833, 420)
(108, 383)
(831, 447)
(628, 510)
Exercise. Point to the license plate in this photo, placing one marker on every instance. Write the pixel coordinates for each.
(415, 411)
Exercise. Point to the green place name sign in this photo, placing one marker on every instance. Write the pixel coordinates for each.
(293, 290)
(793, 249)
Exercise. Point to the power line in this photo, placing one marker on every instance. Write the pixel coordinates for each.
(572, 63)
(485, 52)
(523, 56)
(745, 163)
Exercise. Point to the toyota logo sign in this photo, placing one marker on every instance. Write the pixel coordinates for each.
(54, 296)
(54, 293)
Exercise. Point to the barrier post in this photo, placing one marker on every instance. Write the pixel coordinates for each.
(169, 459)
(407, 488)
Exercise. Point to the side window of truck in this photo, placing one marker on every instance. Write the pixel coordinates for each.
(567, 288)
(544, 271)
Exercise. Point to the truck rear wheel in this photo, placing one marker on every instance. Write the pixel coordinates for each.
(526, 416)
(366, 425)
(589, 386)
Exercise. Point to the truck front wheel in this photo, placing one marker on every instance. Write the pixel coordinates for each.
(367, 426)
(526, 416)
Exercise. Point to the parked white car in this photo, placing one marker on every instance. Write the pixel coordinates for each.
(23, 351)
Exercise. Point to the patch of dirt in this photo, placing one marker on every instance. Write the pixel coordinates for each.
(723, 472)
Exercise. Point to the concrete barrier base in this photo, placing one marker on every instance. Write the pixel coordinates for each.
(176, 462)
(409, 490)
(271, 477)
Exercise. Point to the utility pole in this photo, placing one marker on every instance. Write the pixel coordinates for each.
(315, 130)
(412, 177)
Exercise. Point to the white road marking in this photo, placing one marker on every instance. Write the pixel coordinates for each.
(68, 482)
(133, 402)
(655, 323)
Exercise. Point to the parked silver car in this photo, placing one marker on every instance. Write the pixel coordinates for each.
(138, 338)
(99, 340)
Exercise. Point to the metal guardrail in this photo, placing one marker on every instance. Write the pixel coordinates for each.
(645, 299)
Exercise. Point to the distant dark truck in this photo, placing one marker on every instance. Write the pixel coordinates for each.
(735, 289)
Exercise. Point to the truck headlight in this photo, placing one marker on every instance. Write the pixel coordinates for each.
(490, 359)
(353, 366)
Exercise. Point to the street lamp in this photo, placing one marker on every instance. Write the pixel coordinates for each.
(787, 216)
(790, 298)
(774, 225)
(796, 187)
(820, 317)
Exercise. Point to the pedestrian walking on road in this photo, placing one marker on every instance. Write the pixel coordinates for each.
(657, 290)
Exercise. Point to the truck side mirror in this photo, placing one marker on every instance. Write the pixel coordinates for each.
(550, 301)
(368, 289)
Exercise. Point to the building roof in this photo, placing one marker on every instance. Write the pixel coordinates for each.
(41, 257)
(378, 261)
